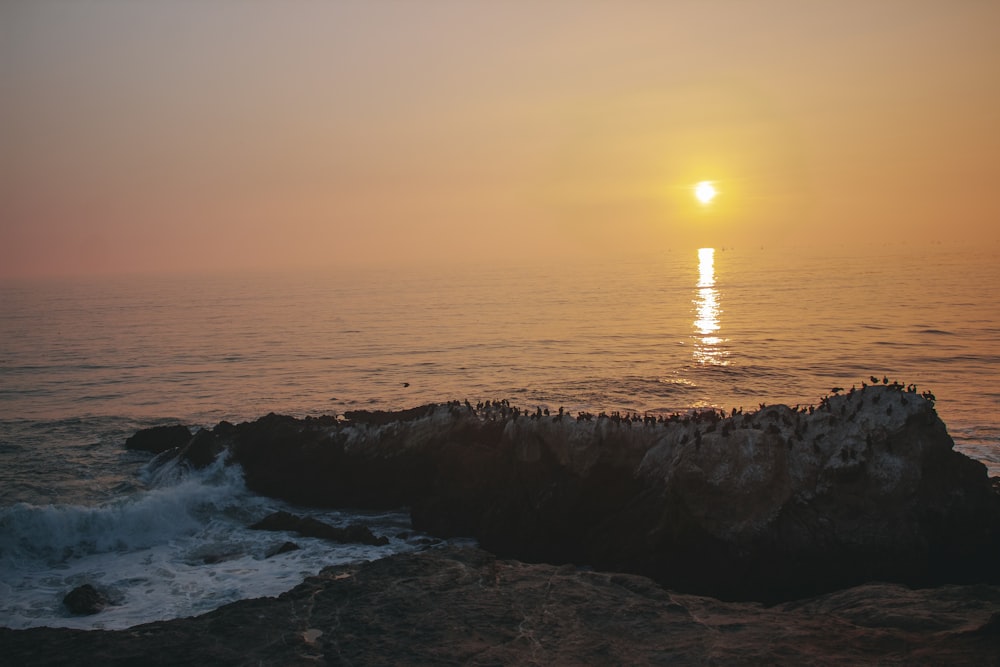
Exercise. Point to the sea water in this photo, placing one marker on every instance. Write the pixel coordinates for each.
(170, 550)
(85, 363)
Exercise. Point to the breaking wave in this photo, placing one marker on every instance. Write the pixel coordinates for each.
(180, 547)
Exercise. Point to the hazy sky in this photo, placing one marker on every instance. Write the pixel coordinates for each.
(151, 136)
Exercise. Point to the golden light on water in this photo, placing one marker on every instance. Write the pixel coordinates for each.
(707, 347)
(706, 267)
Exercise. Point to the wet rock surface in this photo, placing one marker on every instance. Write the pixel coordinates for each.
(465, 606)
(283, 548)
(85, 600)
(309, 527)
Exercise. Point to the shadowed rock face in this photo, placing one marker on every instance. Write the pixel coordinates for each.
(465, 606)
(85, 600)
(159, 439)
(772, 505)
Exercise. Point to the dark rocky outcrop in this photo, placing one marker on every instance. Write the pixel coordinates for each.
(85, 600)
(355, 533)
(772, 505)
(159, 439)
(465, 606)
(202, 449)
(383, 417)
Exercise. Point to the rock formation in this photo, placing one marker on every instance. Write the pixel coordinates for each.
(159, 439)
(85, 600)
(769, 505)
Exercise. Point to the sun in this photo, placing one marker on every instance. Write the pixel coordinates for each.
(705, 192)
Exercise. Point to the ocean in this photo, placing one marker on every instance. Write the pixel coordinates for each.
(85, 363)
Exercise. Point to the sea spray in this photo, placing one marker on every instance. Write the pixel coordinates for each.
(178, 548)
(177, 505)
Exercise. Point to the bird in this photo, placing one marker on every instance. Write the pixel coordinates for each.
(406, 384)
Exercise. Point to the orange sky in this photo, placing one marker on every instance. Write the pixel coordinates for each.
(177, 136)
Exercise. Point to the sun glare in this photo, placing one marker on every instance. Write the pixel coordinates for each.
(705, 192)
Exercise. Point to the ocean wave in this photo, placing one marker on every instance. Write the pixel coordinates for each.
(178, 506)
(180, 548)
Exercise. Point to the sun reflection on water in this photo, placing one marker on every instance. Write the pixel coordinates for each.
(707, 346)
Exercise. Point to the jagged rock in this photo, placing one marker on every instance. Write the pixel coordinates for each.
(465, 606)
(383, 417)
(309, 527)
(771, 505)
(300, 461)
(159, 439)
(85, 600)
(202, 449)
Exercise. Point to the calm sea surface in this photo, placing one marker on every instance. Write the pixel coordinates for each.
(85, 363)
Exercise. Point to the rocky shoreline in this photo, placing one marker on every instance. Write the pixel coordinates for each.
(789, 514)
(455, 606)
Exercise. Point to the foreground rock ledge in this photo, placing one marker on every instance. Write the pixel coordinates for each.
(770, 505)
(465, 606)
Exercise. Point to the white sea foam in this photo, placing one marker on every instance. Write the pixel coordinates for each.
(175, 550)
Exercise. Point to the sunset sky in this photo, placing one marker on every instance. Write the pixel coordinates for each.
(190, 135)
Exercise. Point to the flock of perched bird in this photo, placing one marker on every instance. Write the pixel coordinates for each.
(784, 426)
(502, 410)
(910, 388)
